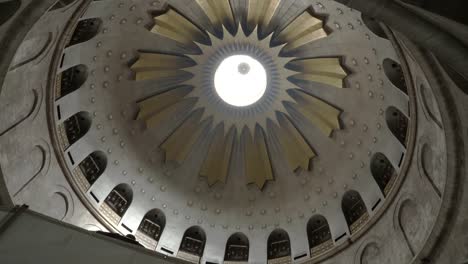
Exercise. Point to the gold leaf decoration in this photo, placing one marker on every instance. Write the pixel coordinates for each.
(179, 143)
(256, 158)
(218, 11)
(296, 150)
(161, 101)
(174, 26)
(260, 12)
(166, 114)
(301, 31)
(323, 70)
(216, 165)
(319, 113)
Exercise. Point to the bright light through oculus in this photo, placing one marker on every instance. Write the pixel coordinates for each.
(240, 80)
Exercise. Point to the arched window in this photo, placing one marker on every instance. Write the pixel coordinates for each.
(394, 73)
(151, 228)
(319, 235)
(237, 248)
(85, 30)
(278, 247)
(75, 128)
(72, 79)
(383, 172)
(354, 210)
(397, 122)
(193, 244)
(91, 168)
(117, 203)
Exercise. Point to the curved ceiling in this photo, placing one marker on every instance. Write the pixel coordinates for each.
(170, 142)
(151, 149)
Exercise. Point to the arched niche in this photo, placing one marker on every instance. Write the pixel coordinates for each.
(397, 122)
(383, 172)
(8, 9)
(193, 244)
(75, 127)
(278, 246)
(85, 30)
(237, 248)
(412, 224)
(72, 79)
(394, 73)
(370, 254)
(117, 203)
(319, 235)
(374, 26)
(92, 167)
(150, 228)
(354, 210)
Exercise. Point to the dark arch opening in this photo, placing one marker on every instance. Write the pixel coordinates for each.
(152, 226)
(394, 73)
(61, 4)
(237, 248)
(85, 30)
(193, 244)
(77, 126)
(383, 172)
(319, 235)
(72, 79)
(93, 166)
(354, 210)
(374, 26)
(120, 198)
(397, 122)
(8, 9)
(278, 245)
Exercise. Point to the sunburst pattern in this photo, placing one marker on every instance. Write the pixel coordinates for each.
(247, 126)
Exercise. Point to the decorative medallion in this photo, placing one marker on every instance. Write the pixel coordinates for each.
(247, 125)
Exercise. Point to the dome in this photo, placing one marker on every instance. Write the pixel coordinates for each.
(238, 131)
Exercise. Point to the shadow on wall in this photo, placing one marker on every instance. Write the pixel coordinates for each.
(8, 9)
(453, 9)
(61, 4)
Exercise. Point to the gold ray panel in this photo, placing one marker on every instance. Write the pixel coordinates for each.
(216, 165)
(218, 11)
(160, 66)
(157, 103)
(174, 26)
(319, 113)
(160, 75)
(178, 145)
(295, 149)
(256, 158)
(250, 131)
(260, 12)
(301, 31)
(167, 114)
(323, 70)
(160, 62)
